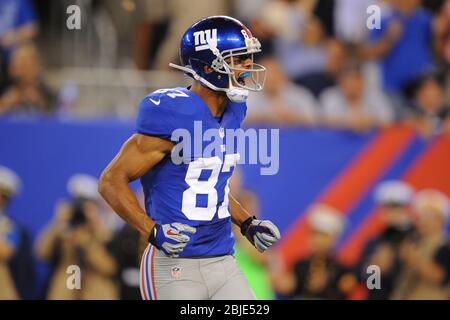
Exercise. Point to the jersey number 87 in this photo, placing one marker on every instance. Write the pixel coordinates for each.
(207, 187)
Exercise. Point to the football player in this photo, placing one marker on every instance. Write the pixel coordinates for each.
(188, 208)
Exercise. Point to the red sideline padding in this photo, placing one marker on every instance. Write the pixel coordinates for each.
(430, 170)
(349, 186)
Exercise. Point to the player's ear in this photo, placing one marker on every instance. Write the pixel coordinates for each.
(208, 69)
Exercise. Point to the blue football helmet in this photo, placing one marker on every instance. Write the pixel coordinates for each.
(215, 42)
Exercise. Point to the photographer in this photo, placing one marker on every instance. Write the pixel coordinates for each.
(77, 236)
(425, 255)
(319, 275)
(27, 93)
(393, 198)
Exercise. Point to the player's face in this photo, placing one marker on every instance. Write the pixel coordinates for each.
(429, 222)
(322, 242)
(395, 215)
(241, 62)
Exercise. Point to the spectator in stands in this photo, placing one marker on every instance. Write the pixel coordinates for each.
(127, 247)
(402, 45)
(9, 234)
(310, 68)
(181, 14)
(442, 30)
(77, 236)
(351, 104)
(16, 267)
(150, 29)
(443, 51)
(281, 102)
(325, 11)
(17, 26)
(393, 198)
(425, 257)
(351, 19)
(300, 42)
(27, 93)
(427, 113)
(250, 13)
(252, 263)
(319, 276)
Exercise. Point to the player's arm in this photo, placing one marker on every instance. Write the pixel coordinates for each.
(138, 155)
(261, 233)
(238, 213)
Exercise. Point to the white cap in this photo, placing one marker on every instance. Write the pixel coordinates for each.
(394, 191)
(83, 186)
(9, 181)
(431, 200)
(326, 219)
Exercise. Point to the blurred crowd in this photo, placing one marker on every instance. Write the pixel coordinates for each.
(408, 259)
(410, 253)
(330, 62)
(82, 234)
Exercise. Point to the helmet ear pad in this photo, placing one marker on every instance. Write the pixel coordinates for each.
(220, 80)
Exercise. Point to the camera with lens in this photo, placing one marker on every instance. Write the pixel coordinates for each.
(78, 217)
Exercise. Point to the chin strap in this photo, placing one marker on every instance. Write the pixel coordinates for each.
(237, 95)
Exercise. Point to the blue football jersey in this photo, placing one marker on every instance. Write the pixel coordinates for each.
(191, 186)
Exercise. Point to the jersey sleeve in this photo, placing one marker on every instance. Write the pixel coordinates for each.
(155, 117)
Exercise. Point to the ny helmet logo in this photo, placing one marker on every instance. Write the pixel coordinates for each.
(203, 38)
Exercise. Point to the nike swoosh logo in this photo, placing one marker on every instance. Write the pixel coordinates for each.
(170, 233)
(157, 102)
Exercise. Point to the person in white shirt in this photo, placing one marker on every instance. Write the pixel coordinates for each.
(281, 102)
(351, 105)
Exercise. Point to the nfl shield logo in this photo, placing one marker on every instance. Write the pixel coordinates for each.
(176, 272)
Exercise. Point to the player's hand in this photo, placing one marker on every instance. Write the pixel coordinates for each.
(171, 238)
(261, 233)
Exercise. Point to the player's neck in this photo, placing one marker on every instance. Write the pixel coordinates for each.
(215, 101)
